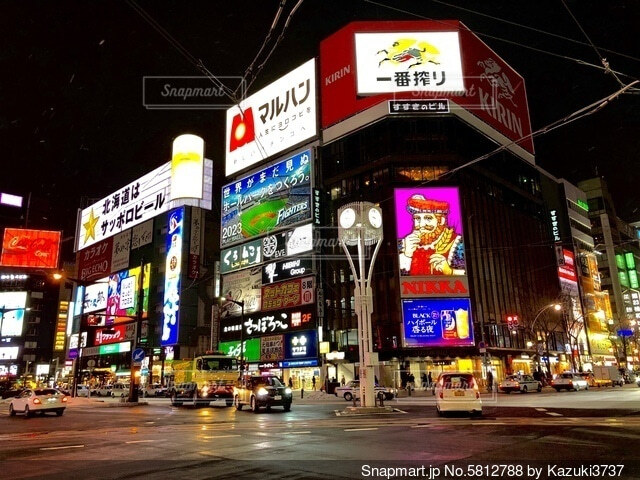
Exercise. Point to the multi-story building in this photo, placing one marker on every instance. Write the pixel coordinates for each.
(617, 246)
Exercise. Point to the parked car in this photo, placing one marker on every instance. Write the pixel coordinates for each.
(262, 391)
(82, 391)
(352, 389)
(38, 400)
(519, 383)
(120, 390)
(103, 391)
(155, 390)
(569, 381)
(458, 392)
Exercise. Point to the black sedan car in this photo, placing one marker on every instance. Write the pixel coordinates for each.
(262, 391)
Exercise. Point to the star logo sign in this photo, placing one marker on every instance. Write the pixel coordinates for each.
(90, 227)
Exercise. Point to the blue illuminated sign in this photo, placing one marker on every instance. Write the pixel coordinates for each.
(441, 322)
(171, 311)
(301, 345)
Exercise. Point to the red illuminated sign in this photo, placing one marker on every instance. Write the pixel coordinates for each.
(495, 93)
(115, 334)
(568, 270)
(30, 248)
(94, 262)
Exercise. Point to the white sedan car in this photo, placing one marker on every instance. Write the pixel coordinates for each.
(519, 383)
(458, 392)
(569, 381)
(38, 400)
(352, 389)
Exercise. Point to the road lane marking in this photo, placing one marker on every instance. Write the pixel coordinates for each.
(488, 423)
(140, 441)
(554, 414)
(61, 448)
(219, 436)
(359, 429)
(541, 409)
(298, 433)
(420, 426)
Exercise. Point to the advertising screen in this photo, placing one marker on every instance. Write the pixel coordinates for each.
(275, 197)
(13, 320)
(442, 322)
(30, 248)
(296, 241)
(280, 116)
(122, 294)
(407, 61)
(173, 266)
(244, 287)
(267, 323)
(429, 231)
(9, 353)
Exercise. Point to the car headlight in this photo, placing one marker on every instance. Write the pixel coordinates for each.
(287, 391)
(262, 391)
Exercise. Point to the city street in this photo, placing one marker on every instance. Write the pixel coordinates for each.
(314, 440)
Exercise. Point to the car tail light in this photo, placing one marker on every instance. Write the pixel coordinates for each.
(37, 401)
(570, 382)
(64, 399)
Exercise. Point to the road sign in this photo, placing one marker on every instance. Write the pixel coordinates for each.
(625, 333)
(138, 356)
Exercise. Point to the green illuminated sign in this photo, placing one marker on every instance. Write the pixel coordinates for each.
(633, 279)
(251, 349)
(114, 348)
(624, 280)
(582, 204)
(620, 261)
(629, 260)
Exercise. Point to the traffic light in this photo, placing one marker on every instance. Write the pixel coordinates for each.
(512, 322)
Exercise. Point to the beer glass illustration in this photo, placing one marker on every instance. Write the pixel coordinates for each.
(462, 323)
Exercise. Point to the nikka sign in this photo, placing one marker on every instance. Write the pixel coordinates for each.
(434, 286)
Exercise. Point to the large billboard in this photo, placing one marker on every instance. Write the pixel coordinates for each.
(293, 293)
(367, 63)
(408, 61)
(137, 202)
(275, 197)
(278, 117)
(442, 322)
(268, 323)
(244, 287)
(123, 294)
(13, 320)
(104, 257)
(30, 248)
(173, 268)
(429, 232)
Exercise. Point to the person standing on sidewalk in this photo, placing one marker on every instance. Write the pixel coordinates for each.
(489, 381)
(313, 382)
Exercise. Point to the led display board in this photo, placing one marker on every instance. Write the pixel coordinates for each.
(275, 197)
(285, 270)
(30, 248)
(9, 353)
(278, 117)
(429, 232)
(408, 61)
(13, 320)
(123, 294)
(251, 349)
(173, 266)
(136, 203)
(300, 291)
(61, 326)
(244, 287)
(241, 256)
(301, 345)
(442, 322)
(567, 270)
(95, 296)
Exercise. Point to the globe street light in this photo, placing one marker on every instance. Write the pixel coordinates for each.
(360, 224)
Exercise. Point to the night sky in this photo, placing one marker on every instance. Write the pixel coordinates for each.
(73, 124)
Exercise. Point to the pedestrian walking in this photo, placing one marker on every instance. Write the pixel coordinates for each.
(490, 381)
(313, 382)
(290, 382)
(429, 380)
(424, 381)
(342, 381)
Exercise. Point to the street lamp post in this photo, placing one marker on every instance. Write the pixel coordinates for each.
(557, 307)
(240, 303)
(360, 224)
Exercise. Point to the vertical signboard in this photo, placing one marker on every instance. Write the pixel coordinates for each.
(173, 263)
(194, 243)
